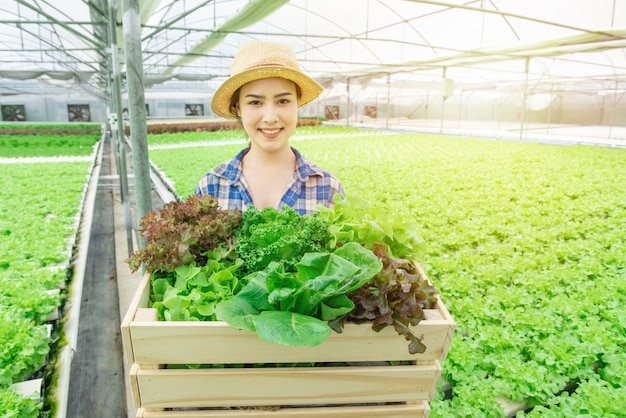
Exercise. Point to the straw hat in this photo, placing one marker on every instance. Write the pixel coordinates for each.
(256, 60)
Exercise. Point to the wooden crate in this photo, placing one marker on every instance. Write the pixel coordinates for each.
(368, 387)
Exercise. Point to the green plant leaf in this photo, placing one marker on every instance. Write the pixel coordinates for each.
(238, 313)
(290, 328)
(335, 306)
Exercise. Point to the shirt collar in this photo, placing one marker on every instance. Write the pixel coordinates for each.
(232, 170)
(304, 169)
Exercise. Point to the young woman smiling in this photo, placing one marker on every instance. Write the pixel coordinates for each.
(265, 90)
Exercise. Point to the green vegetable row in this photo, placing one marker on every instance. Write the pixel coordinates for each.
(50, 126)
(526, 243)
(237, 136)
(47, 145)
(39, 210)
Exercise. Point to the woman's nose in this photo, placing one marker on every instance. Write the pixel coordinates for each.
(270, 113)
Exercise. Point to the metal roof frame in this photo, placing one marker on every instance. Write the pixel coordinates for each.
(195, 40)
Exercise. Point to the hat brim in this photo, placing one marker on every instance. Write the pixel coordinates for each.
(220, 104)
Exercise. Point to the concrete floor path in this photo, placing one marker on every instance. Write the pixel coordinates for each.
(99, 384)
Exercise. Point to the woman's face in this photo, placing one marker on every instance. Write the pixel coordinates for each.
(268, 109)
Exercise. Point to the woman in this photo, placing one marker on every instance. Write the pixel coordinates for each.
(265, 90)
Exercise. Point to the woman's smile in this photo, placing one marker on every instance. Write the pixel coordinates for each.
(270, 132)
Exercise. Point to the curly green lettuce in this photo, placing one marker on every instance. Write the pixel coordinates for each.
(282, 236)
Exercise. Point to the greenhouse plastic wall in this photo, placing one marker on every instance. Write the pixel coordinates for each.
(570, 108)
(574, 109)
(55, 108)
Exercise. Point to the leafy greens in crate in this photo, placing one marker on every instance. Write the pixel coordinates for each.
(290, 278)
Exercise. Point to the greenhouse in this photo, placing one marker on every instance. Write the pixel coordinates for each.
(471, 264)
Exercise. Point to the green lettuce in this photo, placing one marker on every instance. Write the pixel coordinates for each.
(353, 219)
(292, 308)
(191, 293)
(271, 235)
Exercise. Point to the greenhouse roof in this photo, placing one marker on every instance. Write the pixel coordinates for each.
(559, 45)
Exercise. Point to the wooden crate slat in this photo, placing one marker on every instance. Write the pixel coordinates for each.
(286, 386)
(409, 410)
(141, 299)
(218, 343)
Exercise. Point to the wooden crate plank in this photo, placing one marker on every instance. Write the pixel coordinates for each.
(141, 299)
(286, 386)
(134, 385)
(445, 316)
(411, 410)
(147, 314)
(218, 343)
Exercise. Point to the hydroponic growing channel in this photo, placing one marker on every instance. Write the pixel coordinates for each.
(44, 179)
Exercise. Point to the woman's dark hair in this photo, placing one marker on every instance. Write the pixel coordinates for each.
(234, 100)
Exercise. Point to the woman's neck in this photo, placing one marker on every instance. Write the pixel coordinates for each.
(267, 175)
(280, 158)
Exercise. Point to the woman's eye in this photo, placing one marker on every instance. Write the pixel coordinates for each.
(284, 101)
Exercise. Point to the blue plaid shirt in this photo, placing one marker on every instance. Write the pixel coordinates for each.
(309, 186)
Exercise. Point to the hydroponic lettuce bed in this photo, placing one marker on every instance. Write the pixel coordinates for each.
(40, 209)
(526, 243)
(182, 126)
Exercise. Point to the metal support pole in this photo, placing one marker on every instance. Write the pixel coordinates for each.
(550, 108)
(388, 99)
(614, 103)
(119, 146)
(524, 98)
(117, 106)
(458, 123)
(426, 109)
(443, 98)
(348, 107)
(137, 109)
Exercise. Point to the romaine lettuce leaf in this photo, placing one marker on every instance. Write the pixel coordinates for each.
(291, 308)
